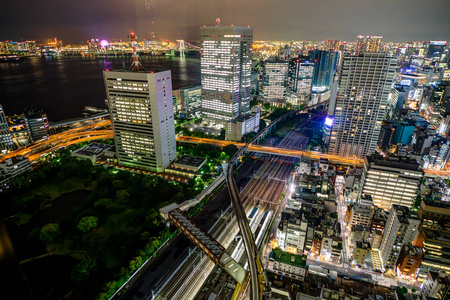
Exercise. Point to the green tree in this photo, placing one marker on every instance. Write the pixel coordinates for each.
(103, 202)
(177, 198)
(135, 263)
(49, 232)
(81, 271)
(122, 196)
(87, 223)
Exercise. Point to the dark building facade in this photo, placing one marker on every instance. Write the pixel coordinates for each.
(325, 64)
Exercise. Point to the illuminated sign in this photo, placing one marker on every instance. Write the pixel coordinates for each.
(329, 121)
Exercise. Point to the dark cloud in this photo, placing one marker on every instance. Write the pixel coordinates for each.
(75, 21)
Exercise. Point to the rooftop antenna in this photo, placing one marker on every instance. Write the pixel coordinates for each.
(217, 21)
(137, 66)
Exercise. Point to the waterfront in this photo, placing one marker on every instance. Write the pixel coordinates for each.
(64, 86)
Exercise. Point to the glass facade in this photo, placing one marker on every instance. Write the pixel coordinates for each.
(226, 55)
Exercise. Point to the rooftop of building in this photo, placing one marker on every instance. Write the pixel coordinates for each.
(335, 295)
(188, 160)
(287, 258)
(437, 234)
(13, 160)
(362, 245)
(396, 162)
(413, 250)
(441, 207)
(144, 70)
(405, 213)
(93, 149)
(190, 87)
(242, 118)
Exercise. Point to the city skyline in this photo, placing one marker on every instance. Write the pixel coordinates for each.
(396, 21)
(299, 169)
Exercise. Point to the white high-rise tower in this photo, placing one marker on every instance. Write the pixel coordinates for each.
(141, 109)
(225, 71)
(360, 105)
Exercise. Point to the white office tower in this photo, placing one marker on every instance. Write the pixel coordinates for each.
(225, 72)
(365, 81)
(273, 80)
(401, 228)
(141, 109)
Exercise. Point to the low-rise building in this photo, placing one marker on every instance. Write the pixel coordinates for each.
(327, 294)
(377, 237)
(92, 151)
(287, 264)
(409, 260)
(360, 253)
(12, 167)
(362, 212)
(186, 165)
(238, 127)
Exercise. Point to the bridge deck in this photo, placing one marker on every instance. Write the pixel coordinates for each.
(207, 244)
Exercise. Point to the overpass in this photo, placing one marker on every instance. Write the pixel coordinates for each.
(208, 245)
(276, 151)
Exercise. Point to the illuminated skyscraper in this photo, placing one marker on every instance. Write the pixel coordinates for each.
(226, 58)
(141, 109)
(37, 124)
(6, 142)
(273, 79)
(300, 76)
(325, 64)
(368, 43)
(360, 105)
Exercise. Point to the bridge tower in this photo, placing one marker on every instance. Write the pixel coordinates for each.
(181, 47)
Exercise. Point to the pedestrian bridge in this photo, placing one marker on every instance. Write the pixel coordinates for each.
(208, 245)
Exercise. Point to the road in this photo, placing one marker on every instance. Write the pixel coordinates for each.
(341, 219)
(97, 131)
(64, 139)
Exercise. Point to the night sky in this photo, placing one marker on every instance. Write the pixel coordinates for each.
(75, 21)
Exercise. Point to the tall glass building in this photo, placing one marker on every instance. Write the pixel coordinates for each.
(360, 105)
(226, 56)
(325, 64)
(141, 109)
(300, 76)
